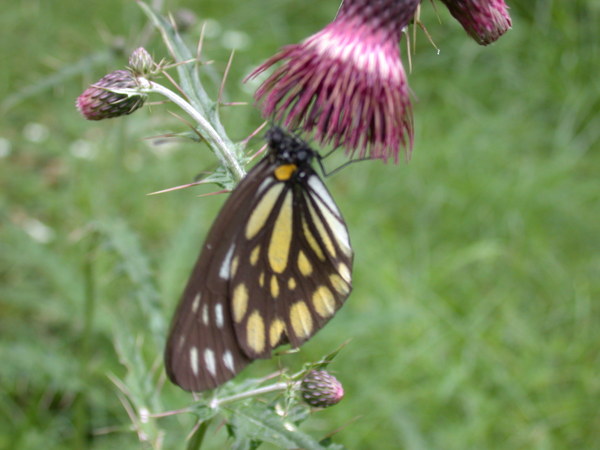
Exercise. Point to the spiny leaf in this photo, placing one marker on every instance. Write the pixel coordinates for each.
(327, 359)
(259, 422)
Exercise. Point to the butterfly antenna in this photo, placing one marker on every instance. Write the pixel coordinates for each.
(340, 167)
(329, 153)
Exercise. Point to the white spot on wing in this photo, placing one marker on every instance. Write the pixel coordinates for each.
(226, 266)
(319, 188)
(205, 314)
(336, 225)
(196, 303)
(263, 185)
(228, 361)
(219, 315)
(209, 360)
(194, 360)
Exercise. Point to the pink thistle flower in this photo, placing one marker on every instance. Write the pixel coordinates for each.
(98, 101)
(346, 83)
(484, 20)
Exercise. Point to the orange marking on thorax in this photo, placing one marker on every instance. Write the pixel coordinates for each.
(285, 172)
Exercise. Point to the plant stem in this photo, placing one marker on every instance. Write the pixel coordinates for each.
(216, 402)
(226, 154)
(81, 416)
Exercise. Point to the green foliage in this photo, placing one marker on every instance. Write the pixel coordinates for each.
(259, 423)
(473, 321)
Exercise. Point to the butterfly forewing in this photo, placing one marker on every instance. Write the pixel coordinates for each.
(294, 266)
(275, 268)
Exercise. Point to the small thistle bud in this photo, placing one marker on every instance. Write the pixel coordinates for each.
(140, 62)
(484, 20)
(346, 84)
(321, 389)
(98, 102)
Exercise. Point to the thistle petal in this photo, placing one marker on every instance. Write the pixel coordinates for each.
(346, 84)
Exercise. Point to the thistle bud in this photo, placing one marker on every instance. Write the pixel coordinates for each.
(484, 20)
(321, 389)
(140, 62)
(98, 101)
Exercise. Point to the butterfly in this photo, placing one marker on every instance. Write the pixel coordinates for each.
(275, 267)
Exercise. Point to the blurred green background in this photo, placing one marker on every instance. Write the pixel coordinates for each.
(474, 318)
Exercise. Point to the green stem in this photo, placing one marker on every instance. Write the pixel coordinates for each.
(224, 152)
(216, 402)
(195, 441)
(81, 416)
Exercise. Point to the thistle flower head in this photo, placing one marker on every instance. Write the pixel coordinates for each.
(321, 389)
(484, 20)
(346, 83)
(98, 101)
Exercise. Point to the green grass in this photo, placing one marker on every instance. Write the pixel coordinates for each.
(474, 316)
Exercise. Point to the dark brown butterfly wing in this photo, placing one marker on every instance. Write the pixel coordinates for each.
(294, 268)
(202, 351)
(275, 267)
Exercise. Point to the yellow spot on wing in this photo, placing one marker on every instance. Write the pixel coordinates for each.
(344, 271)
(261, 279)
(292, 283)
(304, 264)
(336, 226)
(255, 332)
(323, 301)
(339, 284)
(281, 239)
(254, 255)
(321, 230)
(274, 287)
(312, 241)
(285, 172)
(277, 327)
(261, 212)
(301, 320)
(234, 265)
(239, 302)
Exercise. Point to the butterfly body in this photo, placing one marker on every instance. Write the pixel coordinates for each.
(275, 268)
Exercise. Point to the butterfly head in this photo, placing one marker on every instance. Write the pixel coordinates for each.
(291, 155)
(288, 148)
